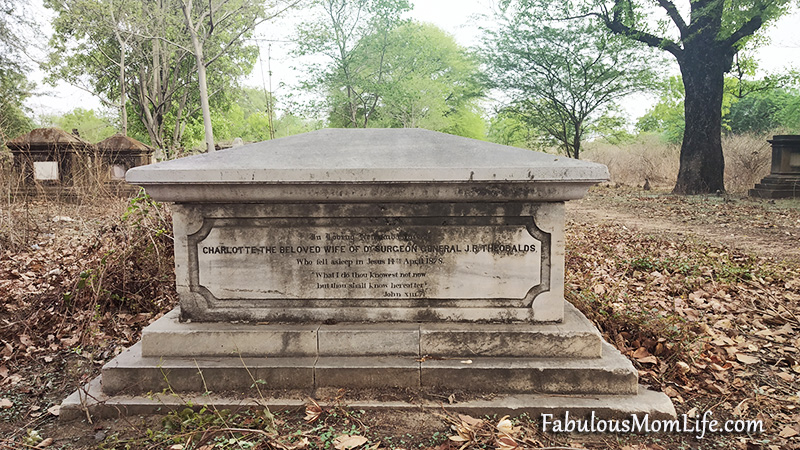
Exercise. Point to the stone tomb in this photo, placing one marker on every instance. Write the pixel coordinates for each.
(784, 178)
(371, 259)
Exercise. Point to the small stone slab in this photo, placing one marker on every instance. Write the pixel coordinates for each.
(168, 337)
(397, 159)
(611, 374)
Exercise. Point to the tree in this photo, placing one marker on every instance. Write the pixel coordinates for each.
(160, 70)
(351, 84)
(234, 20)
(14, 86)
(102, 29)
(747, 105)
(91, 126)
(430, 82)
(14, 89)
(561, 77)
(395, 73)
(764, 111)
(506, 128)
(704, 47)
(666, 116)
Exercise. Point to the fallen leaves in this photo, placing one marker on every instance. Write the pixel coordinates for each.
(313, 410)
(505, 434)
(700, 322)
(346, 442)
(747, 359)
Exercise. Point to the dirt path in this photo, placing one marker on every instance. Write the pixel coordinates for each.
(766, 228)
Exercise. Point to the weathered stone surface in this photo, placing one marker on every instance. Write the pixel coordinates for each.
(357, 339)
(610, 374)
(613, 374)
(405, 262)
(100, 405)
(784, 178)
(513, 340)
(370, 225)
(362, 372)
(369, 165)
(575, 337)
(168, 337)
(415, 262)
(129, 372)
(321, 234)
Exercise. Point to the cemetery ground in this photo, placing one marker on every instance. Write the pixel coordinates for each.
(701, 293)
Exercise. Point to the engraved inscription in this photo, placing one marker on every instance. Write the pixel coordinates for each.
(336, 262)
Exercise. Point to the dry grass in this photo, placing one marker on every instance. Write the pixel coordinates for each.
(21, 202)
(747, 159)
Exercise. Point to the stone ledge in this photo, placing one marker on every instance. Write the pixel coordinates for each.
(168, 337)
(91, 400)
(575, 337)
(132, 373)
(612, 374)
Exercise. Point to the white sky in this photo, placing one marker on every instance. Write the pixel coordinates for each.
(454, 16)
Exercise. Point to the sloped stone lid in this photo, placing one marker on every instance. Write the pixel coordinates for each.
(364, 156)
(47, 138)
(119, 142)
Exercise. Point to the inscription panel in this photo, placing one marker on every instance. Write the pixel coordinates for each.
(257, 259)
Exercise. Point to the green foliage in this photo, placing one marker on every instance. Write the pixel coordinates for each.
(666, 116)
(91, 126)
(563, 77)
(763, 111)
(14, 86)
(95, 39)
(431, 82)
(612, 128)
(353, 35)
(508, 128)
(747, 106)
(14, 89)
(247, 118)
(466, 121)
(384, 71)
(704, 37)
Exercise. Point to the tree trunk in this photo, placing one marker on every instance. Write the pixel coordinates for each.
(201, 75)
(123, 93)
(702, 165)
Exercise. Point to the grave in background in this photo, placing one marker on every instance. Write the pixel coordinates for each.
(784, 178)
(120, 153)
(51, 159)
(372, 259)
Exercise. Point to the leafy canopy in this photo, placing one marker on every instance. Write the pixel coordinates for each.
(561, 77)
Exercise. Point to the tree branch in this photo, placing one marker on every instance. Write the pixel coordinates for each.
(673, 14)
(616, 26)
(747, 29)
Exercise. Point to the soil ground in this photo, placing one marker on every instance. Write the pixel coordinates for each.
(769, 228)
(39, 368)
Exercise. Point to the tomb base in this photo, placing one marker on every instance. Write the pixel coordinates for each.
(505, 368)
(777, 186)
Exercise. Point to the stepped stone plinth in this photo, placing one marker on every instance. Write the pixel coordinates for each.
(371, 260)
(784, 178)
